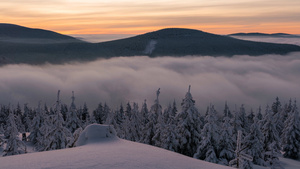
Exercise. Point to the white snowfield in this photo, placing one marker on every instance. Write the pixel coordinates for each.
(101, 149)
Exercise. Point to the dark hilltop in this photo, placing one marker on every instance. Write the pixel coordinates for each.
(36, 46)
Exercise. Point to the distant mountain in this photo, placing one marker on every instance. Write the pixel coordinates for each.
(182, 42)
(166, 42)
(263, 34)
(20, 34)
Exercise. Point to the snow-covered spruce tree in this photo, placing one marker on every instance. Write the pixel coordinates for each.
(120, 115)
(239, 122)
(120, 120)
(144, 119)
(58, 137)
(160, 133)
(291, 134)
(169, 139)
(27, 121)
(29, 113)
(126, 122)
(170, 114)
(7, 111)
(226, 141)
(174, 109)
(277, 111)
(133, 125)
(46, 127)
(46, 110)
(149, 129)
(236, 122)
(92, 120)
(72, 121)
(259, 114)
(276, 106)
(250, 117)
(112, 119)
(14, 146)
(98, 113)
(254, 141)
(243, 118)
(227, 112)
(208, 146)
(18, 118)
(106, 112)
(144, 114)
(287, 108)
(128, 110)
(271, 137)
(159, 124)
(166, 114)
(36, 133)
(188, 126)
(64, 111)
(4, 112)
(85, 117)
(1, 129)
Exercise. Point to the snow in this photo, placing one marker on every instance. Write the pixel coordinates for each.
(289, 163)
(285, 162)
(105, 152)
(95, 133)
(102, 149)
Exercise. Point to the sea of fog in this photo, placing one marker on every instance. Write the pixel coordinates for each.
(252, 81)
(94, 38)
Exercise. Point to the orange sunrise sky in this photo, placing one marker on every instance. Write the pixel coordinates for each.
(139, 16)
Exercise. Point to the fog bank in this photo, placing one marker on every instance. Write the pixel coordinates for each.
(252, 81)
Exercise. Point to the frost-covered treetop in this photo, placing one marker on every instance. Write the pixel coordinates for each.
(58, 102)
(73, 106)
(188, 101)
(157, 95)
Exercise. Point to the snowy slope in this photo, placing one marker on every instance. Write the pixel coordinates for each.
(105, 152)
(286, 163)
(289, 163)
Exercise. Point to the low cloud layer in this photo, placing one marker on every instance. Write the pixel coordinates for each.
(272, 39)
(252, 81)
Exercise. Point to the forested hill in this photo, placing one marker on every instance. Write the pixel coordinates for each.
(24, 45)
(16, 33)
(182, 42)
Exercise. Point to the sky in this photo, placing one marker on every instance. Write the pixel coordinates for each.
(139, 16)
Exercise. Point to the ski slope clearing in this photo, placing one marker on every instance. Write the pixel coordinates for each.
(105, 150)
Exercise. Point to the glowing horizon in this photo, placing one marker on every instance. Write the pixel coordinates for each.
(136, 17)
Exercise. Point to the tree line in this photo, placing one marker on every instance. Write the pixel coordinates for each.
(210, 137)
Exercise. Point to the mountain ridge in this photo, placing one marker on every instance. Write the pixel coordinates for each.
(14, 33)
(264, 34)
(176, 42)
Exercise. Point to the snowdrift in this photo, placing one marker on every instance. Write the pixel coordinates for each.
(96, 133)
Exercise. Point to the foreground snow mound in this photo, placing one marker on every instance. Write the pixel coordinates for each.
(95, 133)
(117, 154)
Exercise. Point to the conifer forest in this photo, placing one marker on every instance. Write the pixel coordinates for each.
(267, 132)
